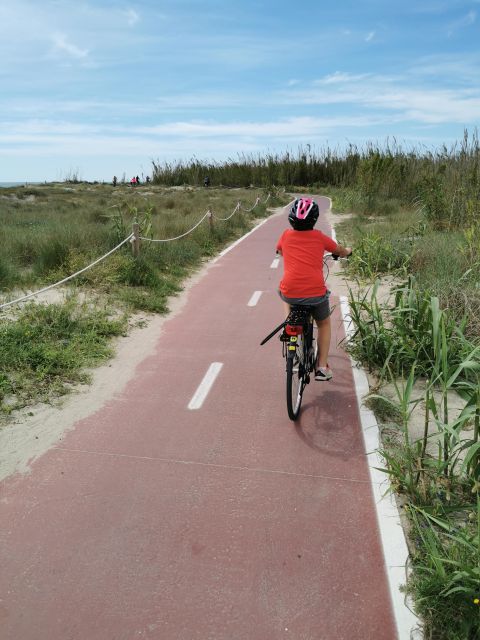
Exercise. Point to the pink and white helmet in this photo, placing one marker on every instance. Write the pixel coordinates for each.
(303, 214)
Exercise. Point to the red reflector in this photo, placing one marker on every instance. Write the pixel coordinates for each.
(294, 329)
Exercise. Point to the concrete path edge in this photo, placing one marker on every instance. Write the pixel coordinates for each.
(392, 536)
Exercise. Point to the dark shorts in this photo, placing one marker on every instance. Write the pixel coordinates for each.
(320, 304)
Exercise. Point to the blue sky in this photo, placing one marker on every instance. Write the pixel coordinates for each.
(102, 88)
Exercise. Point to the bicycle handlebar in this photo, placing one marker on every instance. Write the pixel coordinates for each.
(335, 256)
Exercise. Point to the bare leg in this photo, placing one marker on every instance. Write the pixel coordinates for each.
(323, 338)
(286, 308)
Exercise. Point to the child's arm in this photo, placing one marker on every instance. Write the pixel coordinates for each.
(341, 251)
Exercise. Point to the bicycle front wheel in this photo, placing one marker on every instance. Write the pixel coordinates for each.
(295, 382)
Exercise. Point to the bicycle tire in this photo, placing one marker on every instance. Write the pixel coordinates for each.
(296, 372)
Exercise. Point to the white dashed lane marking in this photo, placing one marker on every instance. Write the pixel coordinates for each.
(254, 299)
(205, 385)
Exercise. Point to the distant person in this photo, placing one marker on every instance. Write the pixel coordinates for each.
(137, 180)
(147, 179)
(133, 181)
(114, 181)
(206, 181)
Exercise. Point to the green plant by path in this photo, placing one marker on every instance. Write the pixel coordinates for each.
(47, 347)
(55, 230)
(399, 333)
(442, 183)
(375, 255)
(412, 338)
(63, 229)
(446, 578)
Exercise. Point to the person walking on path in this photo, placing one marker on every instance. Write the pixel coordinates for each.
(303, 248)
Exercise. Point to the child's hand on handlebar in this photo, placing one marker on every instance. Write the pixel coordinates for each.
(342, 252)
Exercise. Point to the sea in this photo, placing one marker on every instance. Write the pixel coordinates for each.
(16, 184)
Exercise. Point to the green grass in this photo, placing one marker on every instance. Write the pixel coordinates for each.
(400, 242)
(429, 330)
(385, 411)
(64, 228)
(47, 347)
(55, 230)
(52, 231)
(411, 340)
(446, 581)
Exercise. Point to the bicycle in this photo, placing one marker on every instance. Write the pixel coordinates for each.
(300, 350)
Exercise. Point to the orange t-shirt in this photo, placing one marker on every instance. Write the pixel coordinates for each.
(303, 262)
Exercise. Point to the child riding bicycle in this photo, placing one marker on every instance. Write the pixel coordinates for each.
(303, 248)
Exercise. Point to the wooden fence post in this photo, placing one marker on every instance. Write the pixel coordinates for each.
(210, 220)
(136, 239)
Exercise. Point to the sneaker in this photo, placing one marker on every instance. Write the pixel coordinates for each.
(323, 373)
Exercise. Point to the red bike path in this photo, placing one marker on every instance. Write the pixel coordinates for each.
(228, 522)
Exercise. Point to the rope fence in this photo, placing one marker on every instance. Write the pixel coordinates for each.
(228, 217)
(134, 238)
(206, 215)
(74, 275)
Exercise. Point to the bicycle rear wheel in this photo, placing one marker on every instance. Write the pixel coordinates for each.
(296, 372)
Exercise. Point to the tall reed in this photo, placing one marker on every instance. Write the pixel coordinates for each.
(444, 183)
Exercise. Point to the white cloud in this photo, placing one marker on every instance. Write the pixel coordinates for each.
(398, 95)
(48, 132)
(369, 36)
(450, 69)
(132, 17)
(431, 7)
(469, 19)
(63, 45)
(283, 128)
(462, 23)
(340, 77)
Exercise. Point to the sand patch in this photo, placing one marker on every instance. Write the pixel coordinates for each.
(30, 199)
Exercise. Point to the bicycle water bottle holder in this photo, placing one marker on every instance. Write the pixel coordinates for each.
(297, 320)
(294, 325)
